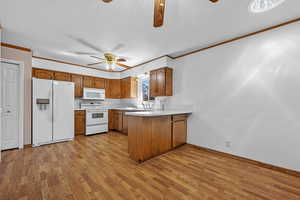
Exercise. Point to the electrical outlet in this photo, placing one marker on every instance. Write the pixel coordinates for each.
(228, 144)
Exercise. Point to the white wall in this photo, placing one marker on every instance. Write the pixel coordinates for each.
(26, 58)
(0, 95)
(248, 93)
(44, 64)
(162, 62)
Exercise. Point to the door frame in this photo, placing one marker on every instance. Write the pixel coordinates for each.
(21, 99)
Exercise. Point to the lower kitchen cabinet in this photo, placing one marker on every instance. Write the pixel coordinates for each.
(79, 122)
(125, 124)
(115, 120)
(179, 126)
(118, 120)
(149, 136)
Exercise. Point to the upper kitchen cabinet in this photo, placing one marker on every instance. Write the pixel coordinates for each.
(99, 83)
(93, 82)
(161, 82)
(129, 87)
(113, 88)
(78, 81)
(88, 82)
(42, 73)
(62, 76)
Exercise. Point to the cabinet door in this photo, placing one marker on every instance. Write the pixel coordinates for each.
(161, 134)
(118, 121)
(79, 122)
(179, 130)
(88, 82)
(153, 85)
(125, 124)
(115, 88)
(132, 87)
(123, 88)
(169, 82)
(111, 119)
(161, 82)
(78, 80)
(108, 88)
(62, 76)
(43, 74)
(99, 83)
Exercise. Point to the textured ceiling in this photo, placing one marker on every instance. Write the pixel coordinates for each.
(58, 28)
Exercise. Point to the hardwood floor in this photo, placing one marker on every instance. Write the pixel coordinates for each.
(98, 167)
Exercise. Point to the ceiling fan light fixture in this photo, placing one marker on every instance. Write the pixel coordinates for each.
(258, 6)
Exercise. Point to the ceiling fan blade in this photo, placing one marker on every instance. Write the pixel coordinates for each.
(159, 10)
(84, 53)
(95, 63)
(121, 60)
(117, 47)
(107, 1)
(97, 57)
(214, 1)
(122, 65)
(86, 43)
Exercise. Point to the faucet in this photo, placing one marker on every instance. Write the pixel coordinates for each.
(146, 106)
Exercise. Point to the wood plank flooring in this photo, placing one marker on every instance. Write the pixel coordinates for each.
(98, 167)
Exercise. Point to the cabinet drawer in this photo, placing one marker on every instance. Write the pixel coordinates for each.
(80, 113)
(179, 117)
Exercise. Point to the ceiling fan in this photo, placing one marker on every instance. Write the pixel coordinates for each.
(112, 62)
(159, 10)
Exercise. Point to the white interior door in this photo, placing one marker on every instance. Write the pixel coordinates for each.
(10, 76)
(63, 110)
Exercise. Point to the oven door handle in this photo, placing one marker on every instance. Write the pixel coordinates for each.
(96, 124)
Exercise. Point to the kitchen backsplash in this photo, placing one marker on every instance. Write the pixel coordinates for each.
(109, 103)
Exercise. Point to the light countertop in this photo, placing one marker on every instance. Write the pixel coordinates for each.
(120, 108)
(79, 109)
(158, 113)
(128, 109)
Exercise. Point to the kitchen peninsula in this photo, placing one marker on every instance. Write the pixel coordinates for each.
(153, 133)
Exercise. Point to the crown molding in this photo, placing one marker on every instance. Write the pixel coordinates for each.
(15, 47)
(69, 63)
(239, 37)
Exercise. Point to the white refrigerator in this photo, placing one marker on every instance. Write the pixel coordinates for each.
(52, 111)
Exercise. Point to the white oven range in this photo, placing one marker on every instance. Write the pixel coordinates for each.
(96, 119)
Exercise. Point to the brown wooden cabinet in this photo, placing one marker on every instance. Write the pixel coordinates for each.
(79, 122)
(113, 88)
(78, 81)
(118, 120)
(99, 83)
(148, 136)
(88, 82)
(115, 120)
(125, 124)
(161, 82)
(93, 82)
(42, 73)
(179, 128)
(129, 87)
(62, 76)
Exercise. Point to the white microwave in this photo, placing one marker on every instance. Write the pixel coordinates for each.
(93, 94)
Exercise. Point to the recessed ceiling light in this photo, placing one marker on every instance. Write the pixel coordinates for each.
(258, 6)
